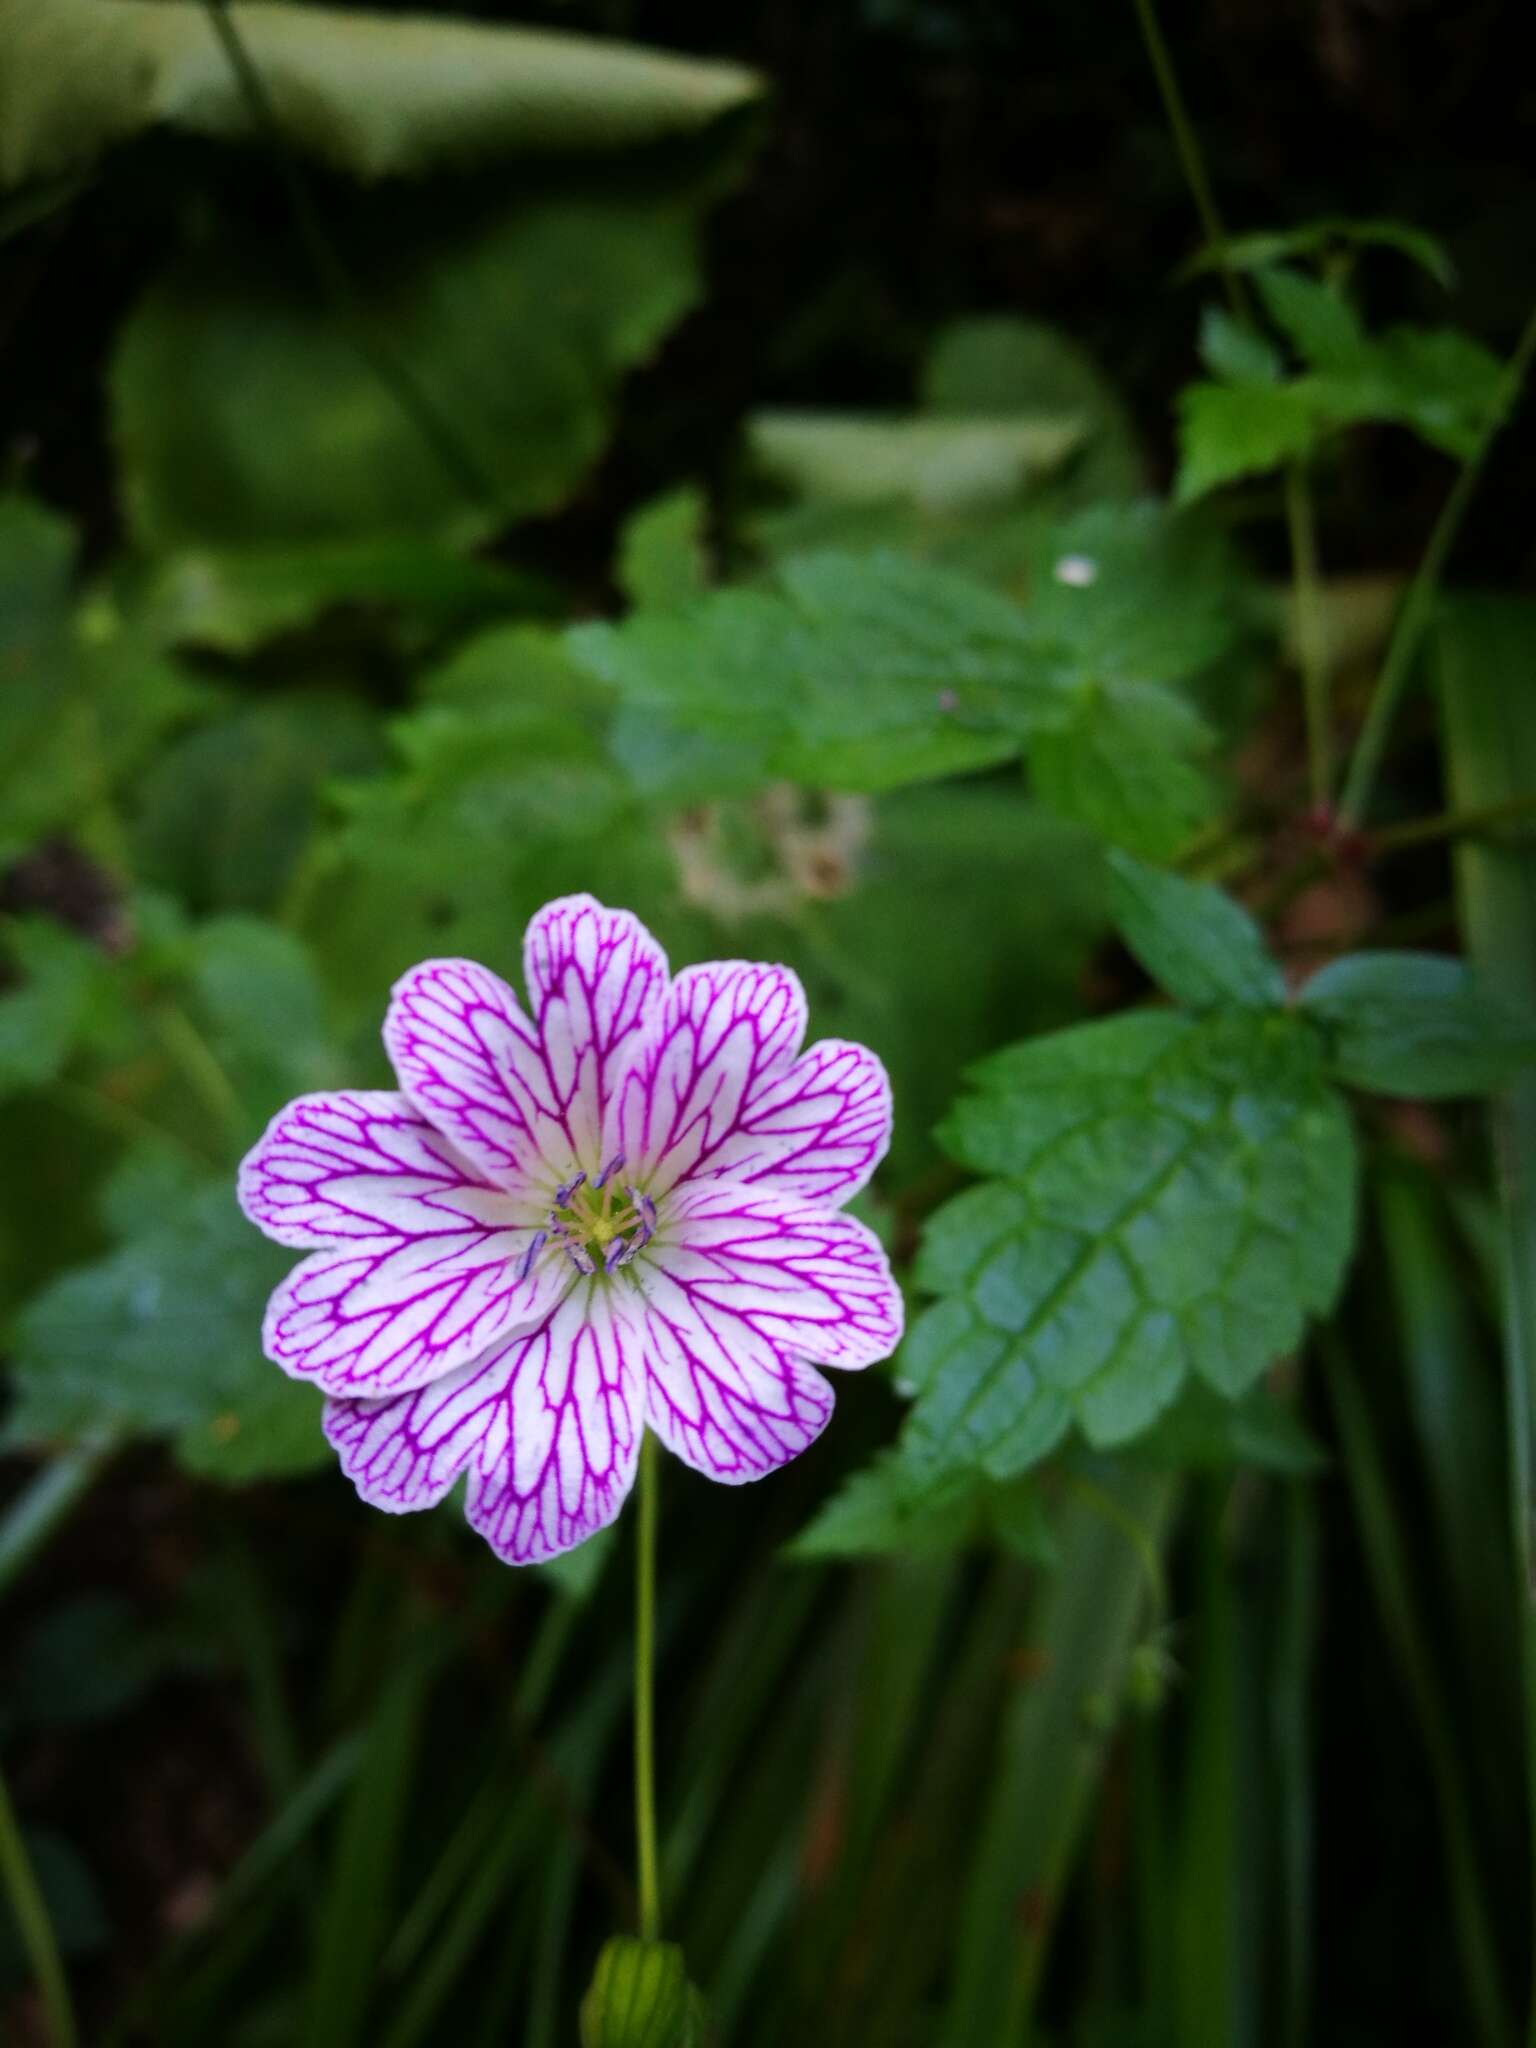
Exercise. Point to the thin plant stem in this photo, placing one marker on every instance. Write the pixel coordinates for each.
(1485, 821)
(20, 1886)
(649, 1883)
(1412, 620)
(458, 461)
(1187, 142)
(46, 1500)
(199, 1065)
(1311, 634)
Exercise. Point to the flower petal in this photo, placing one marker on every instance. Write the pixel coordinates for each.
(559, 1457)
(808, 1279)
(726, 1032)
(382, 1314)
(471, 1063)
(718, 1392)
(363, 1164)
(595, 979)
(817, 1132)
(547, 1423)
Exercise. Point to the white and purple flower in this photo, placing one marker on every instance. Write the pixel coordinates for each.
(618, 1209)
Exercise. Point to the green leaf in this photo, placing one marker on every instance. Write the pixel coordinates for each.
(662, 557)
(1416, 1024)
(225, 813)
(236, 599)
(1444, 385)
(1121, 759)
(62, 987)
(1172, 1197)
(375, 95)
(83, 697)
(1001, 367)
(1319, 238)
(176, 1309)
(1235, 352)
(1228, 431)
(1204, 1432)
(1195, 941)
(858, 672)
(1317, 320)
(254, 988)
(246, 415)
(888, 1509)
(940, 464)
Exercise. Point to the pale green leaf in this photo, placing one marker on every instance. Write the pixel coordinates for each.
(373, 94)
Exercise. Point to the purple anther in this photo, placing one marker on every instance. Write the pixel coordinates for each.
(616, 1254)
(563, 1195)
(540, 1239)
(615, 1165)
(579, 1258)
(645, 1205)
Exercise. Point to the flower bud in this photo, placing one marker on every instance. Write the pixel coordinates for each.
(640, 1997)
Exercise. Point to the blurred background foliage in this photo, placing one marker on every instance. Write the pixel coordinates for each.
(451, 462)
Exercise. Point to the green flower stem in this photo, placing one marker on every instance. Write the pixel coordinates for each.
(1408, 631)
(200, 1066)
(645, 1694)
(1188, 145)
(1311, 633)
(19, 1884)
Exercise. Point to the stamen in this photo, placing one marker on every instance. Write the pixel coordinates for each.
(577, 1254)
(539, 1240)
(563, 1195)
(618, 1251)
(615, 1165)
(645, 1205)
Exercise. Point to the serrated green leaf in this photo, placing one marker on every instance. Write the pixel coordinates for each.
(1416, 1024)
(1121, 758)
(1194, 940)
(1228, 431)
(1174, 1197)
(372, 94)
(177, 1311)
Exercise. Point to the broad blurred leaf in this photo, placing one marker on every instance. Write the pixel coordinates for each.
(1121, 758)
(1002, 367)
(1173, 1197)
(1203, 1431)
(1235, 352)
(375, 95)
(234, 599)
(1195, 941)
(1416, 1024)
(246, 415)
(82, 696)
(1318, 321)
(177, 1311)
(54, 986)
(226, 811)
(1231, 430)
(662, 557)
